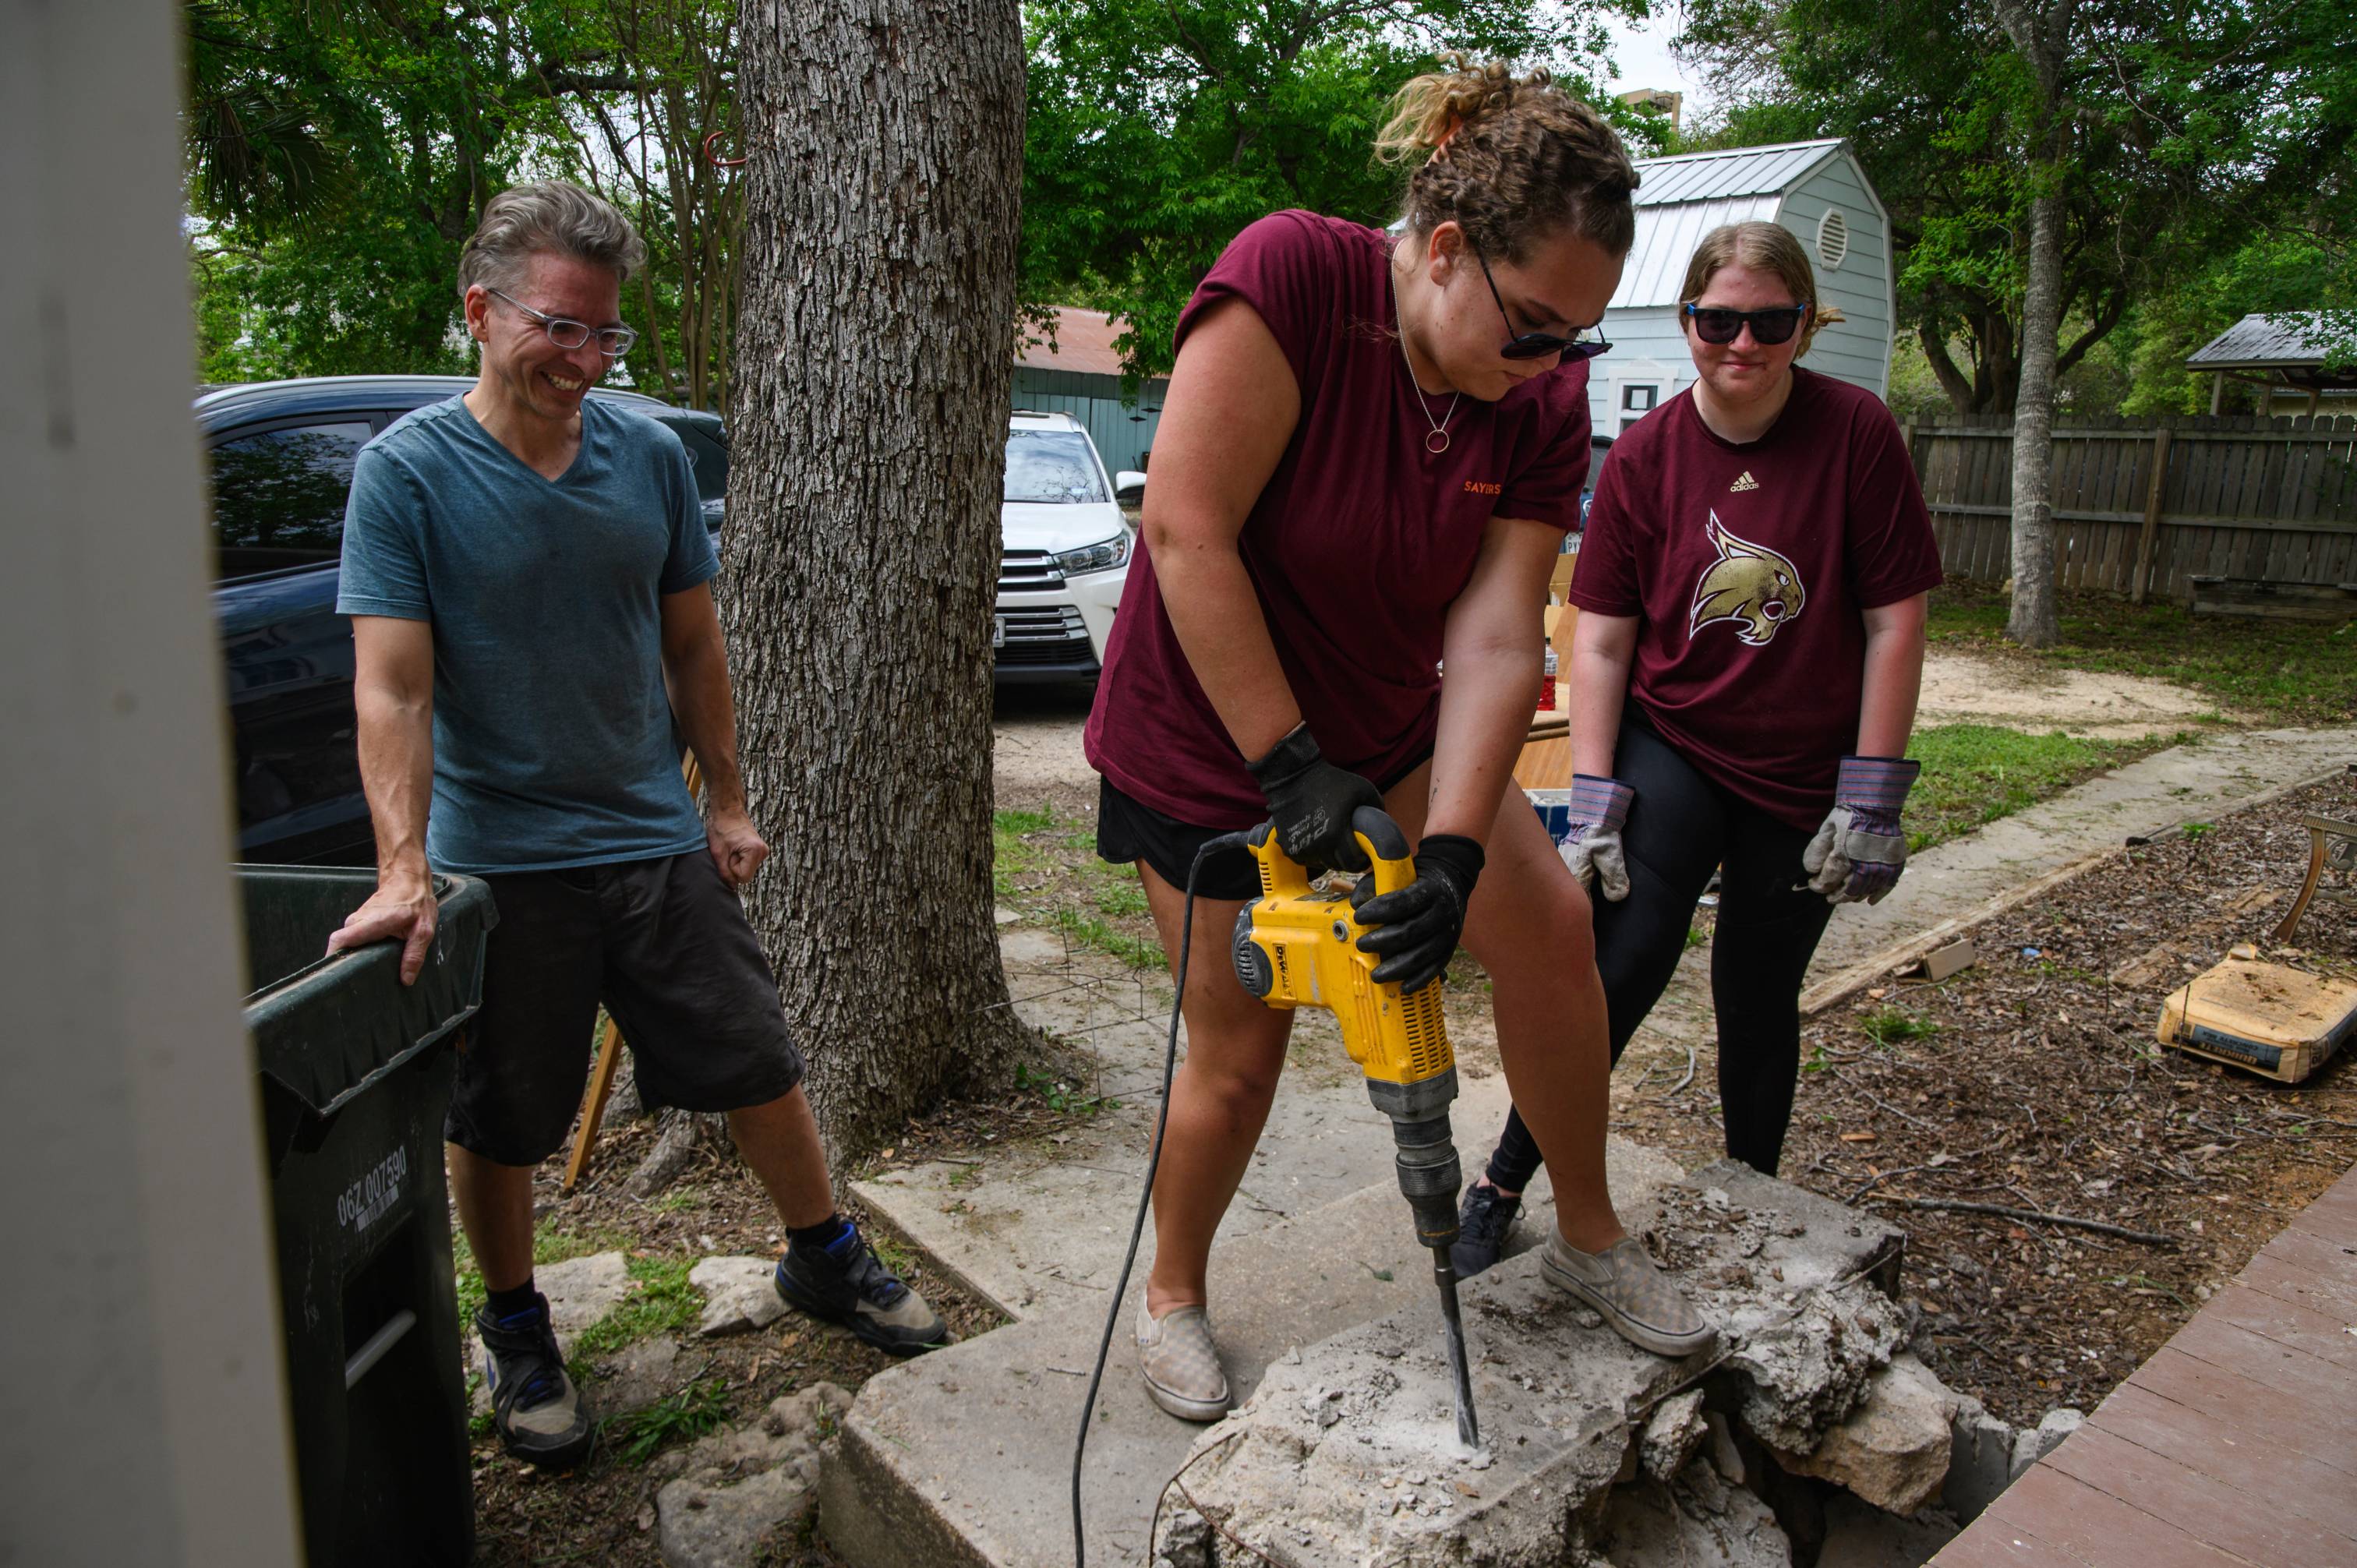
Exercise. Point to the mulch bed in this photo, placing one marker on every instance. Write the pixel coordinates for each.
(2034, 1081)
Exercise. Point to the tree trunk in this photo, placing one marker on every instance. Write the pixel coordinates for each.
(2041, 38)
(874, 353)
(2033, 623)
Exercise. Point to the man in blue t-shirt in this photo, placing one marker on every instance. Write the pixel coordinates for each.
(530, 583)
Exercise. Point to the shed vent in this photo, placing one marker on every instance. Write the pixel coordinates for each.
(1833, 238)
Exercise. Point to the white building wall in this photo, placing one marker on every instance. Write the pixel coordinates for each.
(1857, 350)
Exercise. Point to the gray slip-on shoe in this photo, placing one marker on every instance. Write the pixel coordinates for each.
(1644, 1305)
(1180, 1363)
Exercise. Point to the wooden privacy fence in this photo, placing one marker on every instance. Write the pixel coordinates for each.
(2148, 505)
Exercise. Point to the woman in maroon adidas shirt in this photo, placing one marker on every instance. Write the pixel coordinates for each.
(1371, 447)
(1753, 583)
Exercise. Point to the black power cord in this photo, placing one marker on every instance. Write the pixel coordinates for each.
(1146, 1194)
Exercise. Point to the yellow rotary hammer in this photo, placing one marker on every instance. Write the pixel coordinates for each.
(1297, 946)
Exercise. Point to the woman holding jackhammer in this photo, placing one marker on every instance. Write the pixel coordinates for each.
(1370, 450)
(1742, 683)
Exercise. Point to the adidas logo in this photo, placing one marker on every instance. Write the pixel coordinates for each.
(1744, 481)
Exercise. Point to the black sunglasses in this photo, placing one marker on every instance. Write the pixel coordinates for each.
(1714, 326)
(1538, 345)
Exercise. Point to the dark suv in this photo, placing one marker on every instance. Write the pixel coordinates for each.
(281, 454)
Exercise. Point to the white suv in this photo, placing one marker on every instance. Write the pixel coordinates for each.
(1064, 551)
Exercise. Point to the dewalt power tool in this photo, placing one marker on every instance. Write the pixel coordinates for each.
(1295, 947)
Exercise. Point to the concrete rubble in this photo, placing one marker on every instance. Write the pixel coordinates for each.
(724, 1499)
(739, 1295)
(2044, 1438)
(1893, 1449)
(1594, 1452)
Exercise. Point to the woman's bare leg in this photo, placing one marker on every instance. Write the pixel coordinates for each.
(1220, 1099)
(1529, 927)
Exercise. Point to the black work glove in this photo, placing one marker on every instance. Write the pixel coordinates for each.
(1419, 924)
(1311, 801)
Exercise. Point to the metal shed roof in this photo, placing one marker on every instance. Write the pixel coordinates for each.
(1737, 171)
(2284, 341)
(1679, 199)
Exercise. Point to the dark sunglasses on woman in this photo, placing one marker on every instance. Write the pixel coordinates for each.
(1713, 324)
(1538, 345)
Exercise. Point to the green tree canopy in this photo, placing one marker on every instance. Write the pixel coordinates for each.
(2184, 132)
(1157, 130)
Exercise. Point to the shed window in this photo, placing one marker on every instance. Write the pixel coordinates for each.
(1833, 238)
(1638, 399)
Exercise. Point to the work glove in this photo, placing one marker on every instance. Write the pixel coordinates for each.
(1418, 925)
(1591, 845)
(1311, 802)
(1860, 850)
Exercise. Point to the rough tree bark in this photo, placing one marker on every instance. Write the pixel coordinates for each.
(2040, 36)
(874, 354)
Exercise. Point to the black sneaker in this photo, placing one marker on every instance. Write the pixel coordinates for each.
(1482, 1225)
(541, 1416)
(845, 1283)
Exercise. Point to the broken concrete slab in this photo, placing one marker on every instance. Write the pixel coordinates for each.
(1304, 1466)
(963, 1456)
(1697, 1521)
(580, 1291)
(728, 1495)
(2037, 1442)
(1893, 1449)
(740, 1295)
(1672, 1434)
(1980, 1459)
(1774, 1261)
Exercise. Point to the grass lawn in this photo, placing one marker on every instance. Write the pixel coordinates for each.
(2291, 673)
(1977, 773)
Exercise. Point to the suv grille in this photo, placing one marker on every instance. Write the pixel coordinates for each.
(1051, 635)
(1027, 571)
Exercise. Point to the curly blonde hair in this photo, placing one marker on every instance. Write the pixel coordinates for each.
(1762, 247)
(1510, 160)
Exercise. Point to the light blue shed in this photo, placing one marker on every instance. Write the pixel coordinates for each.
(1814, 188)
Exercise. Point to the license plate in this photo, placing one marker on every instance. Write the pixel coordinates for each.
(998, 632)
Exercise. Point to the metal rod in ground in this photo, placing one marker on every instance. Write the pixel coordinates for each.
(1452, 1338)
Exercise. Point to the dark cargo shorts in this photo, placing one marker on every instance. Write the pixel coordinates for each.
(664, 944)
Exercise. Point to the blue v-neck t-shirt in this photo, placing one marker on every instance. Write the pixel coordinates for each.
(553, 743)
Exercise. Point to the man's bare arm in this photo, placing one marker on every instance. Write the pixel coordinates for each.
(392, 694)
(695, 669)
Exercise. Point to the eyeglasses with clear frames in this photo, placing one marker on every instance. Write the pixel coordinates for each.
(567, 334)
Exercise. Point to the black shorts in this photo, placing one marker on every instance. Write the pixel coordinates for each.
(1130, 830)
(664, 944)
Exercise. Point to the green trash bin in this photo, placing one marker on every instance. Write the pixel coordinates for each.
(356, 1072)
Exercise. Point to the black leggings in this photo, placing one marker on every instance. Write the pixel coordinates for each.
(1680, 827)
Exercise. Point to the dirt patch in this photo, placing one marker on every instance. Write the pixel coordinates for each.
(604, 1512)
(1035, 739)
(2032, 1081)
(1962, 687)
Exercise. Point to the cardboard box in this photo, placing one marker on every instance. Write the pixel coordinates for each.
(2279, 1022)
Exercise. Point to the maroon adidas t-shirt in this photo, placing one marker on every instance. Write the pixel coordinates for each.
(1749, 568)
(1358, 544)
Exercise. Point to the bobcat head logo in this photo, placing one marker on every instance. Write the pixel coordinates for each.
(1749, 585)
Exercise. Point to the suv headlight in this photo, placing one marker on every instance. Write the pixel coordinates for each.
(1100, 557)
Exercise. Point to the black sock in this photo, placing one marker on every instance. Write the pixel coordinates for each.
(825, 1233)
(506, 1303)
